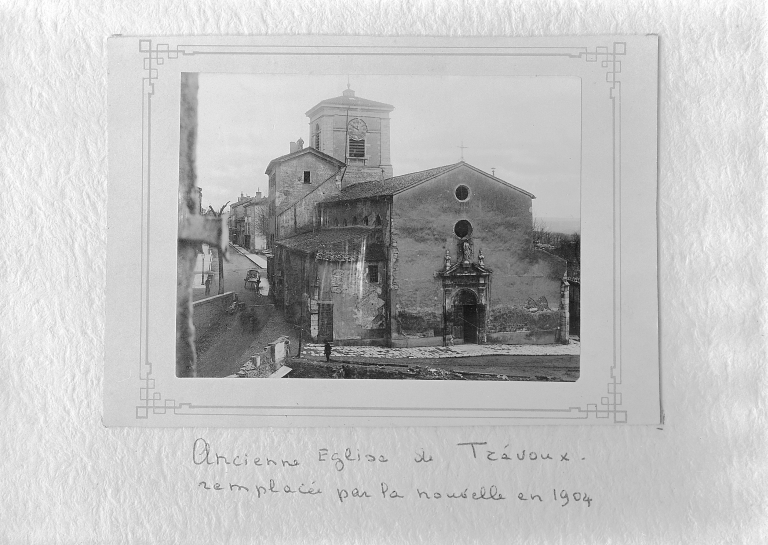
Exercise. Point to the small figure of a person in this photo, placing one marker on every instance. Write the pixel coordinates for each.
(327, 351)
(258, 285)
(208, 281)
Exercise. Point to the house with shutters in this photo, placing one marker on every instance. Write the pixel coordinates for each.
(432, 258)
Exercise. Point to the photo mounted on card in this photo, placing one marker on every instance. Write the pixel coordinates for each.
(337, 231)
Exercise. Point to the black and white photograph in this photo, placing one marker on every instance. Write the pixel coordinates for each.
(384, 272)
(394, 231)
(366, 226)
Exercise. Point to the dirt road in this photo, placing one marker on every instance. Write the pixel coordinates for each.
(542, 368)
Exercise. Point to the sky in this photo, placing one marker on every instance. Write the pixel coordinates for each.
(526, 128)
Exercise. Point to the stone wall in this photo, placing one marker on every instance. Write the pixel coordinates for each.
(359, 306)
(511, 318)
(208, 312)
(344, 291)
(334, 214)
(303, 215)
(290, 190)
(356, 174)
(372, 139)
(423, 229)
(295, 285)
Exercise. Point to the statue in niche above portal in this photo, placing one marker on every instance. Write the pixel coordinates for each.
(466, 251)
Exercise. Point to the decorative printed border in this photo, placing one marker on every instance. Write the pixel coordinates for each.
(156, 55)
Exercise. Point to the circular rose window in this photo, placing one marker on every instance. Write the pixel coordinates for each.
(462, 193)
(462, 228)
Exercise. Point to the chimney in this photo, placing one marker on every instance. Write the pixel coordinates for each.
(293, 147)
(258, 195)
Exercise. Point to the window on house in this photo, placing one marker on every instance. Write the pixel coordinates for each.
(345, 222)
(462, 193)
(354, 220)
(365, 220)
(378, 220)
(373, 274)
(336, 222)
(307, 179)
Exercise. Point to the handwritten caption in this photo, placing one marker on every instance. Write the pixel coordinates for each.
(344, 460)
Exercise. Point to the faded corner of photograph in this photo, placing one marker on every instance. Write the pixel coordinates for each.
(379, 227)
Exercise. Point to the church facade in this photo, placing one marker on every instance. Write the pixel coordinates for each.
(432, 258)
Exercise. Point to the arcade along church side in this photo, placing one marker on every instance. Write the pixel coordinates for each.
(429, 258)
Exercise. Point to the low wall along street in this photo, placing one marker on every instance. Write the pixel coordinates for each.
(207, 312)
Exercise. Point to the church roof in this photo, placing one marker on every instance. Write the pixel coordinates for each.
(349, 100)
(302, 151)
(335, 243)
(390, 186)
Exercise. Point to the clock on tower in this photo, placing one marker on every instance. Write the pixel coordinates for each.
(357, 129)
(354, 130)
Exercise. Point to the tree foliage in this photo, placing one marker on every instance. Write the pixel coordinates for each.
(567, 246)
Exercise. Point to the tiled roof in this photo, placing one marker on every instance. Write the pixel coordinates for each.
(390, 186)
(302, 151)
(342, 240)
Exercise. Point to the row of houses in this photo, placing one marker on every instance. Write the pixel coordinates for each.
(247, 222)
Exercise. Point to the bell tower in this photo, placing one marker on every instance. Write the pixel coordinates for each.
(356, 131)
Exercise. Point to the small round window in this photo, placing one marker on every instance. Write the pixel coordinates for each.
(462, 193)
(462, 228)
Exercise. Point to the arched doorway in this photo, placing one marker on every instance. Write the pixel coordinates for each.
(466, 316)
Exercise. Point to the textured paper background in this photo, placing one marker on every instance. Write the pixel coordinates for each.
(65, 478)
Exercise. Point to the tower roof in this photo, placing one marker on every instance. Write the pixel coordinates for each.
(349, 100)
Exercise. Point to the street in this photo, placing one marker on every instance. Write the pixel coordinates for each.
(564, 368)
(225, 349)
(229, 344)
(234, 278)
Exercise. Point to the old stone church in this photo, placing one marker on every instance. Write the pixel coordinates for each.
(429, 258)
